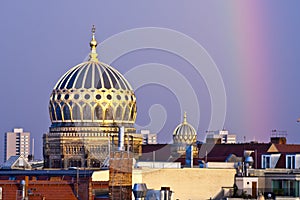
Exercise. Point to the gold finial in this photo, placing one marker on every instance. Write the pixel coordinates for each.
(184, 118)
(93, 45)
(93, 29)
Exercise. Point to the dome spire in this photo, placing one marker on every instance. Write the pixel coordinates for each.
(184, 118)
(93, 45)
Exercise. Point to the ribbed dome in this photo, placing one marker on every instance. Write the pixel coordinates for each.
(92, 75)
(184, 133)
(92, 92)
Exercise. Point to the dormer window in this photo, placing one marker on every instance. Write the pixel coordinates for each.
(266, 161)
(290, 161)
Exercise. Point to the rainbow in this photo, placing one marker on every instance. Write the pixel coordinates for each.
(252, 61)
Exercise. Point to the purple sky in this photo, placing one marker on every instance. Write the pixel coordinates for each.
(254, 45)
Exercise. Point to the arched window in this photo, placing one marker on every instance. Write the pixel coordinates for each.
(118, 115)
(52, 111)
(132, 112)
(109, 112)
(58, 112)
(98, 113)
(67, 113)
(76, 112)
(126, 114)
(87, 112)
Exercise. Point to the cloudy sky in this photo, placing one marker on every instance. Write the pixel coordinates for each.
(229, 64)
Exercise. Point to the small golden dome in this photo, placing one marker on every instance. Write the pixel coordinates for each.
(184, 133)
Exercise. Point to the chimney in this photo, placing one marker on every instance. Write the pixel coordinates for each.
(278, 137)
(165, 193)
(139, 191)
(121, 138)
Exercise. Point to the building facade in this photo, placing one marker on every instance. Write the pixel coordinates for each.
(220, 137)
(87, 106)
(148, 138)
(16, 143)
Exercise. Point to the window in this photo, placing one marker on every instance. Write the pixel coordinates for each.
(286, 188)
(87, 112)
(266, 161)
(98, 115)
(290, 161)
(58, 112)
(67, 113)
(76, 112)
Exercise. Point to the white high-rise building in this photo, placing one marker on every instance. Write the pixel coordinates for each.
(16, 143)
(220, 137)
(149, 138)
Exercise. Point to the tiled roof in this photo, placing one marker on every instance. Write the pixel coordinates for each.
(288, 148)
(152, 147)
(157, 152)
(8, 164)
(220, 152)
(16, 162)
(285, 149)
(224, 150)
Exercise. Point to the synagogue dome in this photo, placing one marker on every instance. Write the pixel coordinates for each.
(184, 133)
(92, 93)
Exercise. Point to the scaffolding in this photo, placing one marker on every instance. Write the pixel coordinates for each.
(120, 175)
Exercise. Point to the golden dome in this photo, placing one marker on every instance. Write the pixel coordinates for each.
(92, 93)
(184, 133)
